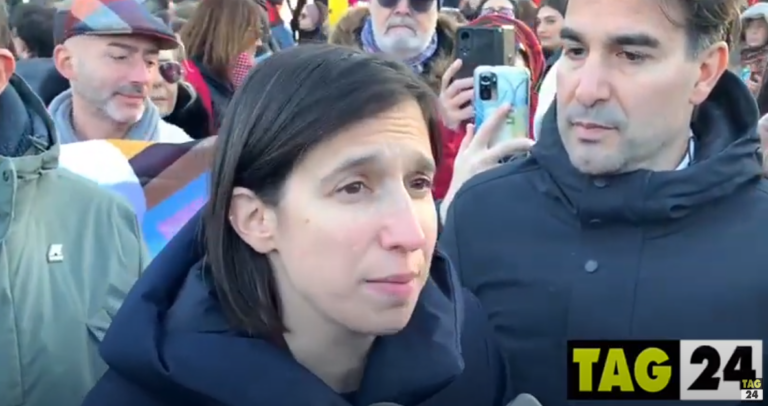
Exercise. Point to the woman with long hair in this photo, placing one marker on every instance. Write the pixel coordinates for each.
(221, 39)
(316, 279)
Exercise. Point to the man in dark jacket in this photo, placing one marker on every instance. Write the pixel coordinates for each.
(633, 217)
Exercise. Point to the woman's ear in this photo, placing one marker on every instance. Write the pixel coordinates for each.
(7, 67)
(252, 220)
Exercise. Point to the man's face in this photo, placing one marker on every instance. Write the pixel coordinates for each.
(401, 30)
(626, 87)
(114, 74)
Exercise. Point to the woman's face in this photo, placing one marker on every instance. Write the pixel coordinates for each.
(756, 32)
(548, 24)
(352, 239)
(308, 18)
(164, 93)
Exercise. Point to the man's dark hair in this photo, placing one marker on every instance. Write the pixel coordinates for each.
(33, 24)
(706, 22)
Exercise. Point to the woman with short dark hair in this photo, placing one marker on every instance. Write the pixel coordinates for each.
(316, 281)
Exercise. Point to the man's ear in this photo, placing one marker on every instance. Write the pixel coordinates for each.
(64, 61)
(252, 220)
(7, 67)
(712, 63)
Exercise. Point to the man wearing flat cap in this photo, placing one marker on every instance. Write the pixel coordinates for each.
(69, 253)
(108, 50)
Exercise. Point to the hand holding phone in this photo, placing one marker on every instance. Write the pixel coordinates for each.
(503, 85)
(456, 97)
(476, 154)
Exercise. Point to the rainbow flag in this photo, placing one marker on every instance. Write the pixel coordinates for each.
(165, 183)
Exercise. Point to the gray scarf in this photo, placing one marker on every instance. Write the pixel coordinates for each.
(146, 129)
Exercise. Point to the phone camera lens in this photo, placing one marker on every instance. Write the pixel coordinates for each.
(487, 79)
(464, 36)
(485, 93)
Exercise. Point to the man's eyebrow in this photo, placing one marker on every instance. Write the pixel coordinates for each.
(134, 49)
(425, 164)
(569, 34)
(621, 40)
(126, 47)
(635, 40)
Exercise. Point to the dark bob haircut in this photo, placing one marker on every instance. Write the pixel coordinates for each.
(289, 104)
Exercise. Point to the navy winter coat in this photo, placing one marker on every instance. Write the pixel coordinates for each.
(170, 345)
(554, 254)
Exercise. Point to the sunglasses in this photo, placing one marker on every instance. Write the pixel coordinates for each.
(171, 72)
(419, 6)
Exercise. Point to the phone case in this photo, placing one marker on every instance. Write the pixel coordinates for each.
(512, 86)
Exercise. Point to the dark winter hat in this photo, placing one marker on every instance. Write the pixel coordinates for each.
(110, 17)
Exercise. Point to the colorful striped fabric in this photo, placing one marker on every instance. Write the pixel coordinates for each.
(165, 183)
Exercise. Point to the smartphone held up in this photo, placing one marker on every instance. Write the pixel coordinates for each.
(497, 86)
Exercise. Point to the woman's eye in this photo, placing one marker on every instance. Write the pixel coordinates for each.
(352, 188)
(421, 184)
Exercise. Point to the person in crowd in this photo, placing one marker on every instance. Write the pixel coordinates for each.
(270, 306)
(455, 14)
(312, 23)
(280, 32)
(469, 8)
(70, 253)
(754, 46)
(32, 26)
(221, 40)
(549, 21)
(499, 7)
(527, 11)
(627, 220)
(175, 99)
(417, 34)
(110, 75)
(185, 10)
(529, 54)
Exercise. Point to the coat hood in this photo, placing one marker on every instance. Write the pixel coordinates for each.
(26, 123)
(726, 158)
(757, 10)
(171, 339)
(347, 33)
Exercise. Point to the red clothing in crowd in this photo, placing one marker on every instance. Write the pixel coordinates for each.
(534, 58)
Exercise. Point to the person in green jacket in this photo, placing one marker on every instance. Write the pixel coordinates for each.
(69, 253)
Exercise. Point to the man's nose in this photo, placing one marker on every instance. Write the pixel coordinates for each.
(403, 7)
(141, 72)
(593, 83)
(402, 229)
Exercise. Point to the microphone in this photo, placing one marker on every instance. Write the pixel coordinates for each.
(524, 399)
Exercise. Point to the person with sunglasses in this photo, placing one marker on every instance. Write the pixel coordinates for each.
(415, 32)
(176, 100)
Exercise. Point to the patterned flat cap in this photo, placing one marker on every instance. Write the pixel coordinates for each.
(110, 17)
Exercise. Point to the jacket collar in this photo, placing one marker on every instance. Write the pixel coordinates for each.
(199, 356)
